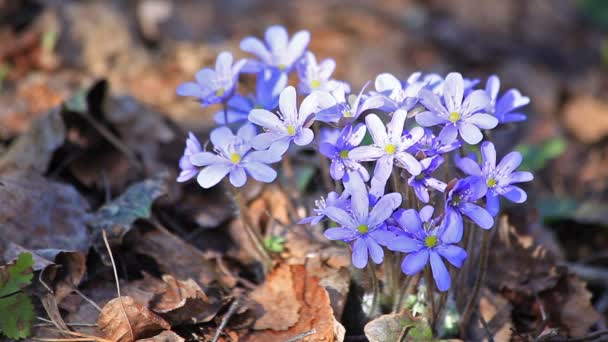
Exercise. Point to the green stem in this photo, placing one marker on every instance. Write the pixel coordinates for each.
(474, 298)
(375, 288)
(430, 293)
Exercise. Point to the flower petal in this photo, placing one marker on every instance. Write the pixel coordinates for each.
(297, 46)
(453, 254)
(404, 244)
(366, 153)
(520, 177)
(476, 101)
(386, 82)
(276, 38)
(374, 249)
(359, 253)
(415, 262)
(484, 121)
(515, 194)
(189, 89)
(304, 137)
(260, 171)
(492, 203)
(440, 272)
(238, 177)
(287, 105)
(341, 217)
(453, 91)
(212, 174)
(470, 133)
(206, 158)
(247, 132)
(510, 162)
(488, 153)
(264, 140)
(478, 214)
(256, 47)
(384, 209)
(222, 136)
(426, 213)
(448, 134)
(411, 164)
(468, 166)
(376, 129)
(266, 119)
(341, 233)
(452, 226)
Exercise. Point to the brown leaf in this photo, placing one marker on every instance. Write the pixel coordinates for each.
(587, 118)
(496, 312)
(398, 327)
(130, 324)
(315, 309)
(165, 336)
(34, 149)
(277, 298)
(38, 213)
(185, 301)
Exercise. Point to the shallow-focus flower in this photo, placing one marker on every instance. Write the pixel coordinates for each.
(510, 101)
(233, 156)
(333, 200)
(365, 229)
(498, 179)
(214, 86)
(290, 124)
(278, 51)
(390, 145)
(404, 95)
(315, 76)
(425, 180)
(431, 145)
(338, 108)
(269, 85)
(456, 115)
(460, 201)
(427, 241)
(349, 138)
(187, 170)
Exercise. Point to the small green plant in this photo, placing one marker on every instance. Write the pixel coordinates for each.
(16, 306)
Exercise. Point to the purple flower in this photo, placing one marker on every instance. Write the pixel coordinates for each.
(498, 179)
(337, 108)
(338, 152)
(511, 100)
(189, 171)
(290, 124)
(424, 180)
(315, 76)
(268, 87)
(404, 95)
(278, 52)
(390, 144)
(431, 145)
(365, 229)
(233, 156)
(333, 200)
(457, 115)
(460, 202)
(214, 86)
(428, 241)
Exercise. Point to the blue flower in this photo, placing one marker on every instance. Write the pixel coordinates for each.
(404, 95)
(427, 241)
(424, 180)
(233, 157)
(498, 179)
(456, 115)
(431, 145)
(189, 171)
(460, 201)
(390, 143)
(333, 200)
(268, 87)
(214, 86)
(365, 229)
(337, 108)
(338, 152)
(290, 125)
(317, 77)
(510, 101)
(278, 52)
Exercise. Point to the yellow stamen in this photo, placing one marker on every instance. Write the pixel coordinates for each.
(282, 67)
(291, 130)
(491, 182)
(235, 157)
(315, 84)
(430, 241)
(348, 114)
(343, 154)
(454, 117)
(390, 148)
(220, 92)
(362, 229)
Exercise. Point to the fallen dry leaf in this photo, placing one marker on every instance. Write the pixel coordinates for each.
(277, 297)
(34, 149)
(587, 118)
(496, 312)
(315, 309)
(165, 336)
(131, 323)
(37, 213)
(398, 327)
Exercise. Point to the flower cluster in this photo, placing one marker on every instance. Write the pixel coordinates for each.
(420, 130)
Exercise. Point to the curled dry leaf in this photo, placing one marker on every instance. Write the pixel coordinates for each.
(496, 312)
(315, 309)
(398, 327)
(131, 323)
(38, 213)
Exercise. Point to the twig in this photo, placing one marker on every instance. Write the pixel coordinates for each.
(302, 335)
(471, 306)
(231, 310)
(105, 241)
(486, 327)
(89, 300)
(49, 323)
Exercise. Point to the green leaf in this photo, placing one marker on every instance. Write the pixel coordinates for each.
(14, 277)
(17, 315)
(275, 243)
(304, 175)
(536, 157)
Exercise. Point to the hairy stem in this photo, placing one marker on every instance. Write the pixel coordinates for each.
(430, 293)
(375, 287)
(474, 298)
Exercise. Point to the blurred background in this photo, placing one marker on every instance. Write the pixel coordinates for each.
(554, 51)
